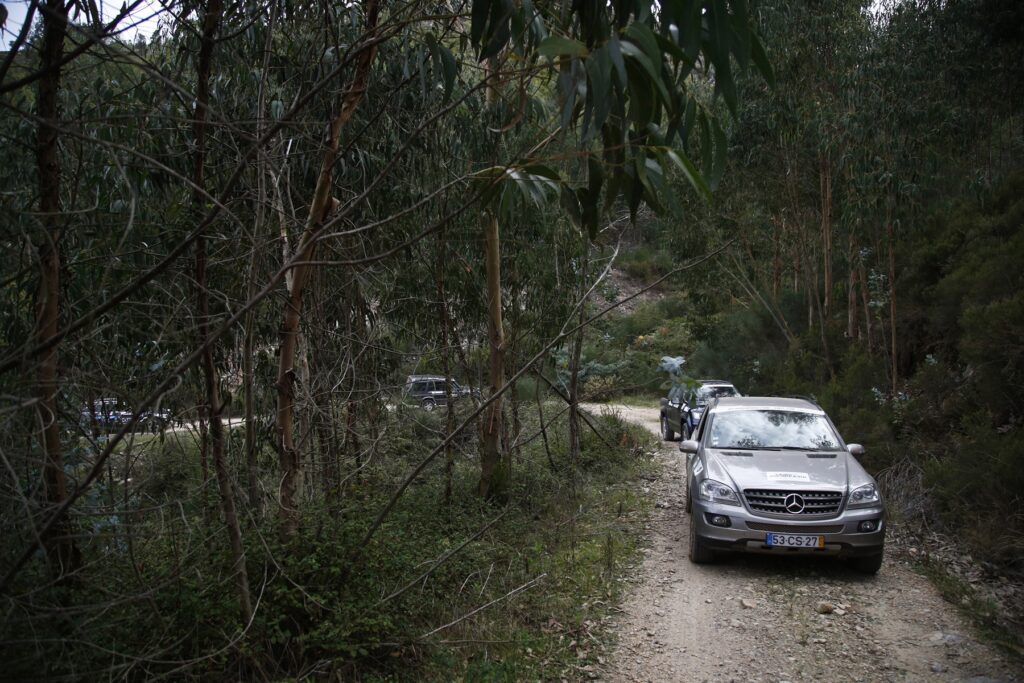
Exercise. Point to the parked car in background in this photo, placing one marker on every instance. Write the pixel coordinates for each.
(109, 414)
(772, 475)
(428, 391)
(682, 408)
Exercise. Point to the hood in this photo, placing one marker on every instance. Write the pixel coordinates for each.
(750, 469)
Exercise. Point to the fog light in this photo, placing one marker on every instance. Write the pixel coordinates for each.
(868, 525)
(719, 520)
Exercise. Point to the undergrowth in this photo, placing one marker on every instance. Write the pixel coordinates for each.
(459, 589)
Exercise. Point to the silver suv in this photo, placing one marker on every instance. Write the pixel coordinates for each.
(772, 475)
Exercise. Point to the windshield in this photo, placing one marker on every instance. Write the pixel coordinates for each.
(772, 429)
(707, 394)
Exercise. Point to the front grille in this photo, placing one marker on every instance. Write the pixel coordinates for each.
(797, 528)
(773, 501)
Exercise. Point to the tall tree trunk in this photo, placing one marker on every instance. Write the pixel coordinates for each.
(60, 546)
(214, 405)
(492, 480)
(852, 331)
(865, 296)
(826, 232)
(248, 339)
(320, 207)
(776, 265)
(449, 425)
(574, 376)
(889, 232)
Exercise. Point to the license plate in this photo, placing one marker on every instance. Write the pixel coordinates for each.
(795, 541)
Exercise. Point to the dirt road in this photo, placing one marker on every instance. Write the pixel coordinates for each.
(755, 618)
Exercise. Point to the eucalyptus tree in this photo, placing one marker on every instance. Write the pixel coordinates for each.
(59, 542)
(624, 74)
(204, 141)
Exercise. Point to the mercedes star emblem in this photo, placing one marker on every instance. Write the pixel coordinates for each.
(794, 503)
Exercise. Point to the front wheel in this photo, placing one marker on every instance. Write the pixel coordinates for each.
(700, 553)
(666, 431)
(869, 564)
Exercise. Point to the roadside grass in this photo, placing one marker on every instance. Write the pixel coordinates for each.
(982, 613)
(517, 588)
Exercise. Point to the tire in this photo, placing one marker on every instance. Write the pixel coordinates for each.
(869, 564)
(700, 553)
(429, 404)
(666, 431)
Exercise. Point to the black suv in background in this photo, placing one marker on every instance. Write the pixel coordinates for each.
(682, 408)
(429, 390)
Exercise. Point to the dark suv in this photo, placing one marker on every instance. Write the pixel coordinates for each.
(429, 390)
(682, 408)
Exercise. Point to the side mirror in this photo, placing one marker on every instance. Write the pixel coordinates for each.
(855, 449)
(689, 446)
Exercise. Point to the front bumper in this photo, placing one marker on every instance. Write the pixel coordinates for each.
(748, 532)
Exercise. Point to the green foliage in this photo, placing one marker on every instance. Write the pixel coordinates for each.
(977, 481)
(325, 600)
(644, 263)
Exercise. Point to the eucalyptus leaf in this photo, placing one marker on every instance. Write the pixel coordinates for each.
(558, 46)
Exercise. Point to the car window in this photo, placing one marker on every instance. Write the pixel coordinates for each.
(772, 429)
(707, 394)
(699, 430)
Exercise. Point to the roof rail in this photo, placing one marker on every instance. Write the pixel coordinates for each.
(803, 397)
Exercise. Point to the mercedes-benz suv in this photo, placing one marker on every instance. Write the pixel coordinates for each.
(772, 475)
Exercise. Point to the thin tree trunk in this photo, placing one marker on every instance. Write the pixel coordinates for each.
(825, 176)
(214, 406)
(889, 231)
(248, 339)
(816, 300)
(491, 477)
(865, 296)
(543, 427)
(61, 550)
(852, 331)
(492, 481)
(776, 265)
(320, 207)
(449, 426)
(574, 398)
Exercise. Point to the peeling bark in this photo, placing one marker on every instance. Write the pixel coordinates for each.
(320, 208)
(491, 464)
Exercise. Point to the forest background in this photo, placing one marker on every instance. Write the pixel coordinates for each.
(258, 221)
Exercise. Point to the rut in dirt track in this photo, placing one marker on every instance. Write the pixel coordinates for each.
(756, 618)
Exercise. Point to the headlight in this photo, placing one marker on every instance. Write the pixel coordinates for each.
(717, 492)
(864, 496)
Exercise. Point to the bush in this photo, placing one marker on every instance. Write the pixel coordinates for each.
(978, 486)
